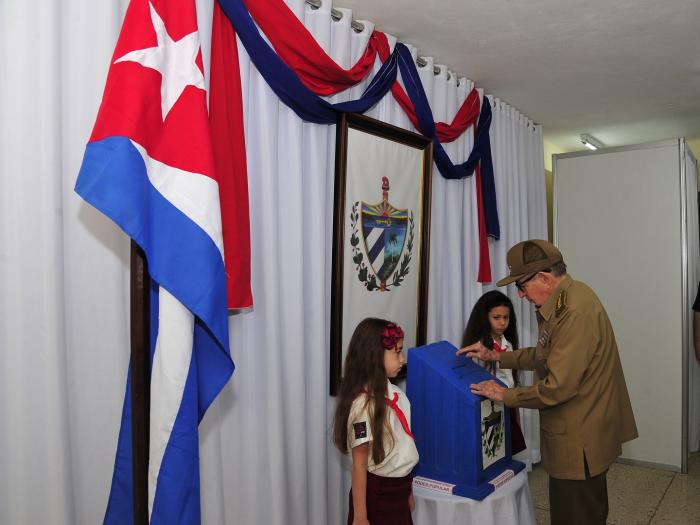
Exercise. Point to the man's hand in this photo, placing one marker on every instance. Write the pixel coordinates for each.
(489, 389)
(480, 352)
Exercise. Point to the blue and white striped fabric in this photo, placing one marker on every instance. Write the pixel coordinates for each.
(149, 167)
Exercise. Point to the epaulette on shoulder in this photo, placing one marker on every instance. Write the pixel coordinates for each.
(561, 304)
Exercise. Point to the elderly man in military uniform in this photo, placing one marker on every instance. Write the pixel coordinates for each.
(579, 387)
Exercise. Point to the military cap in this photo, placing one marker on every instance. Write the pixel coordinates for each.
(528, 257)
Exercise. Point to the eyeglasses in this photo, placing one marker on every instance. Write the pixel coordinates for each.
(520, 285)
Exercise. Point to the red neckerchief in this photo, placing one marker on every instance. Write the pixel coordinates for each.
(498, 348)
(394, 404)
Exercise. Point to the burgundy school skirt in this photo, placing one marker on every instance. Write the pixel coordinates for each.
(387, 500)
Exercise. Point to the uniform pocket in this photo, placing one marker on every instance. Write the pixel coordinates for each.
(553, 425)
(554, 445)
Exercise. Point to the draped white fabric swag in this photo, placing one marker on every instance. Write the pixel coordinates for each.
(266, 455)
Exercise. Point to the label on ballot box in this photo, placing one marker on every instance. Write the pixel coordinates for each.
(501, 479)
(432, 484)
(448, 488)
(463, 439)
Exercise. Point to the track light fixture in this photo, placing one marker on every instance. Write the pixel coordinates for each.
(591, 142)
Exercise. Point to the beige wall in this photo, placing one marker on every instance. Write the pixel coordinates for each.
(550, 200)
(549, 150)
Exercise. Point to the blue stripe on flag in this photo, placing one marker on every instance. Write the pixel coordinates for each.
(177, 495)
(185, 261)
(177, 502)
(181, 256)
(120, 507)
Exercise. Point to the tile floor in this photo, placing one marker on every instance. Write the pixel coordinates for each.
(638, 495)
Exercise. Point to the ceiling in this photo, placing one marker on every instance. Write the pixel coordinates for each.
(624, 71)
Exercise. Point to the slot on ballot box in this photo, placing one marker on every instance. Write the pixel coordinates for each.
(463, 439)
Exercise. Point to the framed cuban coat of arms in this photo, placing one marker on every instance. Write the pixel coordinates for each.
(381, 230)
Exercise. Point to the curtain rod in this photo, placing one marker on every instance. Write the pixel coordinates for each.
(359, 27)
(337, 15)
(422, 62)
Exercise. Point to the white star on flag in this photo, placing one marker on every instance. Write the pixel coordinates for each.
(175, 60)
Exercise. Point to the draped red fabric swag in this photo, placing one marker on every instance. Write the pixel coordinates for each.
(228, 140)
(319, 72)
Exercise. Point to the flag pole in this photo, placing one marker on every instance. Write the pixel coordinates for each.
(140, 379)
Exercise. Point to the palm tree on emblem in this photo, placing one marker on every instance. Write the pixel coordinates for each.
(385, 232)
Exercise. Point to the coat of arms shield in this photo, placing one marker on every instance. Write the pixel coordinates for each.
(385, 231)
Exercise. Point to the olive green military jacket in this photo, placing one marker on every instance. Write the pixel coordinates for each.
(579, 385)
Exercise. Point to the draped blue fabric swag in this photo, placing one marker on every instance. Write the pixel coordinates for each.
(312, 108)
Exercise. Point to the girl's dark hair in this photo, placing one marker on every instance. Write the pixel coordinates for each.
(363, 373)
(479, 327)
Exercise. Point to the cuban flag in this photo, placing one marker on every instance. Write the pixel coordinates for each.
(149, 167)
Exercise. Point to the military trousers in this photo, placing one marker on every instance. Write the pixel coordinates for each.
(579, 501)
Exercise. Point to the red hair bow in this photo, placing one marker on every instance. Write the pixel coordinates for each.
(390, 335)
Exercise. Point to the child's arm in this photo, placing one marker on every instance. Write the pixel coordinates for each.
(360, 454)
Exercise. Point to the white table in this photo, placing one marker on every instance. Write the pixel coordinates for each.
(509, 504)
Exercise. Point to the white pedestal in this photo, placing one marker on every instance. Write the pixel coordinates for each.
(510, 504)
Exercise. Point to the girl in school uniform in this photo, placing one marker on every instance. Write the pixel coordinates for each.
(372, 423)
(493, 323)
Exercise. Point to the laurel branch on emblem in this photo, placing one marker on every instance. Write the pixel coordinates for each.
(367, 278)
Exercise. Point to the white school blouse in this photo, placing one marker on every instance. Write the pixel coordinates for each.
(401, 453)
(505, 374)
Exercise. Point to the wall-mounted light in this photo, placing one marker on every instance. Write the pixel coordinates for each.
(591, 142)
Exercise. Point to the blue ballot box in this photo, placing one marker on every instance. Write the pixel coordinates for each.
(463, 439)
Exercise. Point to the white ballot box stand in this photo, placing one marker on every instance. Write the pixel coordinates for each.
(509, 504)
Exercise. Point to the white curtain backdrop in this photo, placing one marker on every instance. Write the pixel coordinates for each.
(266, 456)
